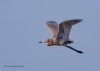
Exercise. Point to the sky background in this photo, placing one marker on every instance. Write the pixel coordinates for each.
(22, 26)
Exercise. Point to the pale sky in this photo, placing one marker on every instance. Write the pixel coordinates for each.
(22, 26)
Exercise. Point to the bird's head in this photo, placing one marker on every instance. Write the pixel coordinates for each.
(44, 41)
(48, 41)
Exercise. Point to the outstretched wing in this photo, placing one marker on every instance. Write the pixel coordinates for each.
(53, 27)
(65, 28)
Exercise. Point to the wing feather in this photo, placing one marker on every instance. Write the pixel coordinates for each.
(65, 28)
(53, 27)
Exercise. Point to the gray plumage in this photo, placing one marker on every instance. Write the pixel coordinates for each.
(60, 34)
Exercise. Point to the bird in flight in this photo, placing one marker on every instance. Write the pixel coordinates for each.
(60, 33)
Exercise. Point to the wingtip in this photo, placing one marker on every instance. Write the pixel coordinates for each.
(79, 20)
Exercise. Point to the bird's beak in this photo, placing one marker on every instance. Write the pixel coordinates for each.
(40, 42)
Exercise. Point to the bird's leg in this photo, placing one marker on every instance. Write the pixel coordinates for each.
(74, 49)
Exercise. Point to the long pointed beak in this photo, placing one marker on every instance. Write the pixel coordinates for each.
(40, 42)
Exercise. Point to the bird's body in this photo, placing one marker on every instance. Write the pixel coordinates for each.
(60, 34)
(53, 41)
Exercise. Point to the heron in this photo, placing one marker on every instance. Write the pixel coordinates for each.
(60, 33)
